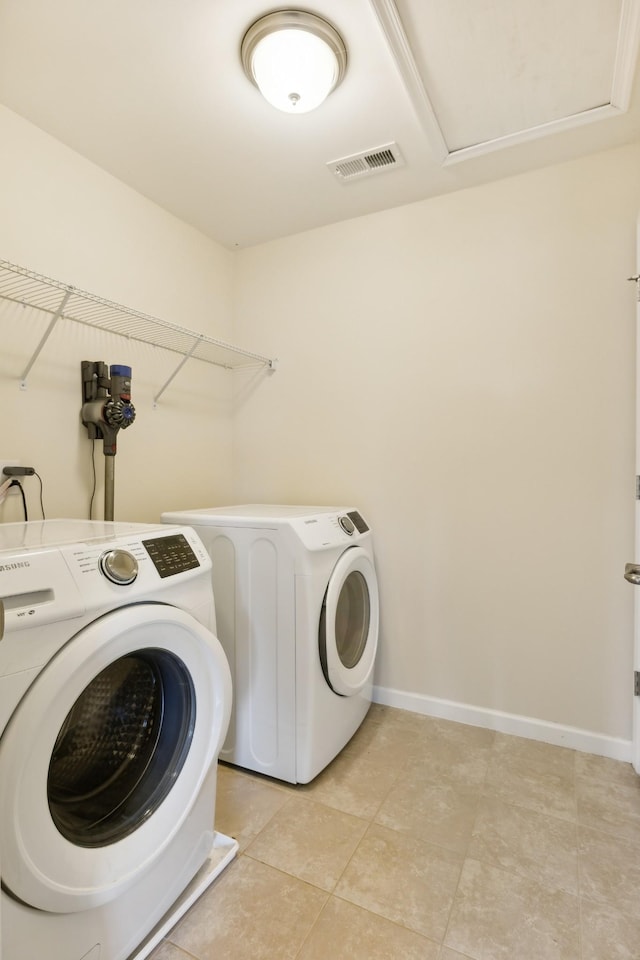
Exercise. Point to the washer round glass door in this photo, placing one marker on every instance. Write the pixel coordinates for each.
(106, 754)
(349, 623)
(121, 746)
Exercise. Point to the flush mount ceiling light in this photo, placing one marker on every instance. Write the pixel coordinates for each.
(295, 59)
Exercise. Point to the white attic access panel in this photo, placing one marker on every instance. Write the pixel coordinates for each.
(498, 72)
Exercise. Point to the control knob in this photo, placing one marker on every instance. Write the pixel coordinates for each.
(346, 525)
(119, 566)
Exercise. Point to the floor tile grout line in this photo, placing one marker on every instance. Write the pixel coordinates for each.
(580, 906)
(264, 825)
(308, 883)
(465, 856)
(355, 850)
(307, 799)
(579, 884)
(401, 772)
(313, 925)
(453, 903)
(380, 916)
(168, 940)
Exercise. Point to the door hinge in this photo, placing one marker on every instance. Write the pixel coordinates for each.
(637, 488)
(636, 683)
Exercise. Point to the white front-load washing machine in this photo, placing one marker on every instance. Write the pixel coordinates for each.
(115, 697)
(296, 598)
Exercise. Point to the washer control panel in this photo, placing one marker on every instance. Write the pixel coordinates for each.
(171, 555)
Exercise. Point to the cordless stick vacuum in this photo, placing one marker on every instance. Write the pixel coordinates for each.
(106, 409)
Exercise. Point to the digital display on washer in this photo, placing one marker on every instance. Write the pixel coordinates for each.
(358, 521)
(171, 555)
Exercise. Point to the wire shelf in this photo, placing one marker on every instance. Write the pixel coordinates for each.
(59, 300)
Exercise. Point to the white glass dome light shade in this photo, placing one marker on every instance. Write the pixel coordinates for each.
(295, 70)
(295, 59)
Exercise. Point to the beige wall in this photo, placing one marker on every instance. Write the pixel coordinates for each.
(67, 219)
(463, 371)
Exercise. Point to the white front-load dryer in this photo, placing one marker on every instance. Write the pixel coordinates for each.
(296, 598)
(115, 697)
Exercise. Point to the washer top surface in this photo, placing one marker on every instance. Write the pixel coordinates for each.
(40, 534)
(56, 570)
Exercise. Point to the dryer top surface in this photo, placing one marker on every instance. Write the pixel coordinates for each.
(306, 529)
(250, 514)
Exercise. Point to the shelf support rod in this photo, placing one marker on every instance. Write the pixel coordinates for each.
(177, 370)
(54, 319)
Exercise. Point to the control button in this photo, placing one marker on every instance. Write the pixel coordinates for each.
(346, 525)
(119, 566)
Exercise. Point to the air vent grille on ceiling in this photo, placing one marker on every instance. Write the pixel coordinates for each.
(368, 162)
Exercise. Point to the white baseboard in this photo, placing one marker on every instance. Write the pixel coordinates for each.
(561, 736)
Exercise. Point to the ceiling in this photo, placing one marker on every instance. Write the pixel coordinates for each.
(467, 91)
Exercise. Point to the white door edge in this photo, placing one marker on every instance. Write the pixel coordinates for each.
(636, 628)
(346, 681)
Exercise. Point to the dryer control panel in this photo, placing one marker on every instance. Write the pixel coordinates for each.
(351, 522)
(358, 521)
(326, 530)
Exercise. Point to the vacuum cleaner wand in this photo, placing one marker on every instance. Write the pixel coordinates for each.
(106, 409)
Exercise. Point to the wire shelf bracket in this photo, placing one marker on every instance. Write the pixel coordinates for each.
(22, 286)
(36, 353)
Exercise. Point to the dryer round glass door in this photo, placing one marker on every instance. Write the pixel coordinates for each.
(349, 623)
(106, 754)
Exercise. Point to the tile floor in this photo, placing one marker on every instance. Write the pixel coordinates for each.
(426, 840)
